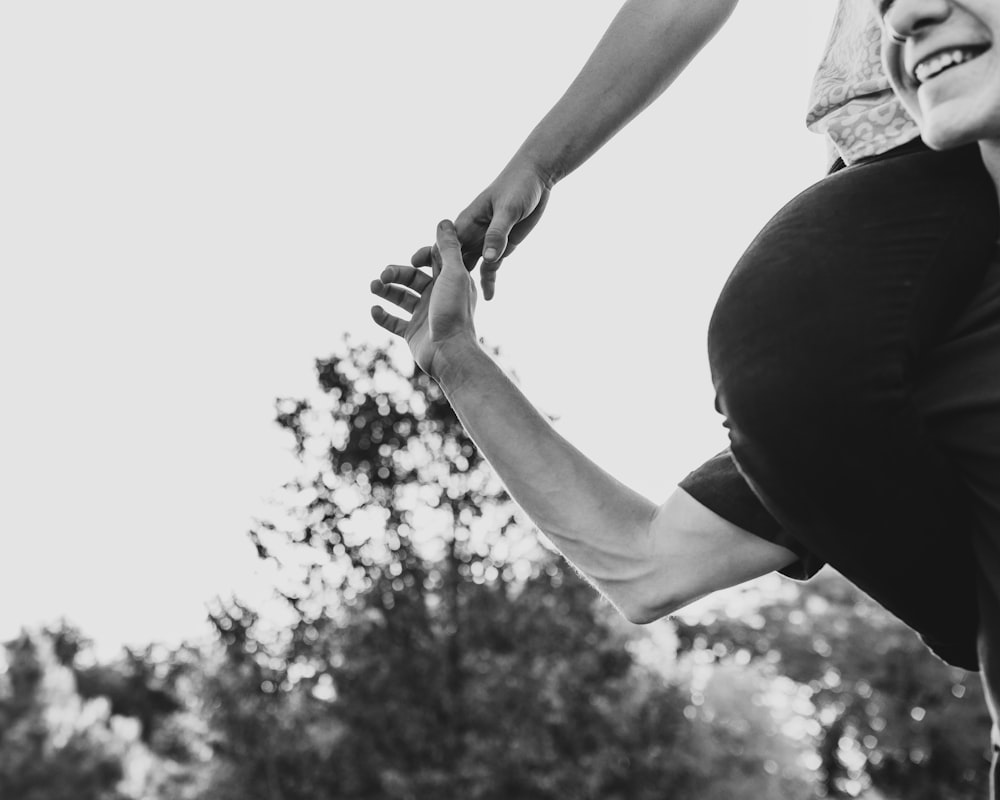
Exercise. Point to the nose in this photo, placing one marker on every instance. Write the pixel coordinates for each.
(907, 18)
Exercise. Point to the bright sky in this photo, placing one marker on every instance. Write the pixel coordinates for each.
(195, 195)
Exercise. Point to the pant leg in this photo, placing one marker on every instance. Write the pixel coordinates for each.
(989, 660)
(813, 347)
(957, 393)
(987, 544)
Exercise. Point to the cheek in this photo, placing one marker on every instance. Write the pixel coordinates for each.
(912, 105)
(892, 61)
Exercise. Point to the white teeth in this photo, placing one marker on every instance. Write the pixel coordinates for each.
(937, 64)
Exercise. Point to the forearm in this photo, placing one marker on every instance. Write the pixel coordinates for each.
(648, 559)
(648, 44)
(599, 524)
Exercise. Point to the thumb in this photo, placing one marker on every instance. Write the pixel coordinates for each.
(495, 241)
(449, 247)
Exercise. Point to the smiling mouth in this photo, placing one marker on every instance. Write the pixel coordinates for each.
(942, 61)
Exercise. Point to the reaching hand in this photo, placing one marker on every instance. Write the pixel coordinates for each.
(441, 307)
(497, 221)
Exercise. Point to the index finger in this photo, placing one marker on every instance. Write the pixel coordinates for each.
(423, 257)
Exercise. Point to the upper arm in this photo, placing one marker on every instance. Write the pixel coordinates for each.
(694, 552)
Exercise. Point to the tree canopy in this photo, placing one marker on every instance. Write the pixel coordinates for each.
(431, 645)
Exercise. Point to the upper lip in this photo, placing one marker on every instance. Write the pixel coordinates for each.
(921, 54)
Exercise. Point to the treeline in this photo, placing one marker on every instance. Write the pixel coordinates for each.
(435, 649)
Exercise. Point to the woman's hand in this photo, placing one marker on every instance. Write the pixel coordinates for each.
(498, 220)
(441, 305)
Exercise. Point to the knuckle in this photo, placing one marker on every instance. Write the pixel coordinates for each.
(505, 217)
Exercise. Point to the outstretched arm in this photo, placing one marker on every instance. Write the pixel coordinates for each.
(647, 45)
(648, 560)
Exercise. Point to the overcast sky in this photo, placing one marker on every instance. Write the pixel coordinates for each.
(195, 195)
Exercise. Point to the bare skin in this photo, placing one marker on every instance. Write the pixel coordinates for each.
(648, 559)
(647, 45)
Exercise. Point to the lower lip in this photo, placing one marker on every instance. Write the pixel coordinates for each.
(931, 82)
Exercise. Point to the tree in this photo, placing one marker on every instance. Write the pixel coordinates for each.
(437, 649)
(53, 745)
(72, 727)
(885, 712)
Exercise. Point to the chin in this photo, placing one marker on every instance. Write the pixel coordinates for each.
(943, 140)
(946, 133)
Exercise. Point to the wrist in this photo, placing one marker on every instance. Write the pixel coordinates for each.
(454, 360)
(548, 169)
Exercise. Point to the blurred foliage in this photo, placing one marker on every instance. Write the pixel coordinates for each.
(73, 728)
(50, 748)
(885, 712)
(462, 658)
(435, 648)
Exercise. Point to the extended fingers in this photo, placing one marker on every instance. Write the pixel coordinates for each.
(422, 258)
(397, 295)
(488, 277)
(386, 320)
(411, 277)
(393, 285)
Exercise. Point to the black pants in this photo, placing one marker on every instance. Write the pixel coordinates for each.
(817, 346)
(957, 394)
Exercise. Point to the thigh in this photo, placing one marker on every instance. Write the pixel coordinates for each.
(957, 393)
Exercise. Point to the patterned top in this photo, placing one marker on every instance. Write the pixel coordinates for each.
(851, 100)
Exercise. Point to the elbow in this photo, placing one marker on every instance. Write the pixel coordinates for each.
(633, 595)
(642, 593)
(655, 594)
(642, 615)
(643, 609)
